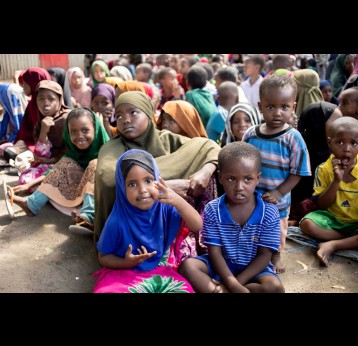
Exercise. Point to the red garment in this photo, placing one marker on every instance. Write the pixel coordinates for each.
(32, 76)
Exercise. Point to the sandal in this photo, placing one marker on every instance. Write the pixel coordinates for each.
(83, 227)
(9, 198)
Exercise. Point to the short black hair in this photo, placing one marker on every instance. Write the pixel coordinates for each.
(237, 150)
(197, 77)
(228, 73)
(344, 123)
(278, 81)
(257, 59)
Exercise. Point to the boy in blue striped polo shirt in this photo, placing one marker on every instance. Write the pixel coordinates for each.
(284, 153)
(240, 230)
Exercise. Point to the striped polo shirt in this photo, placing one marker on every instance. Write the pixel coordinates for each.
(282, 153)
(239, 245)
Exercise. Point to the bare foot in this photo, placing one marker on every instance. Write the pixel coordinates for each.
(277, 262)
(324, 252)
(220, 288)
(22, 203)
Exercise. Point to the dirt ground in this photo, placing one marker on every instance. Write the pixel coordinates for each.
(39, 254)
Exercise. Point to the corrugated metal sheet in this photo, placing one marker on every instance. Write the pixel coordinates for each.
(12, 62)
(77, 60)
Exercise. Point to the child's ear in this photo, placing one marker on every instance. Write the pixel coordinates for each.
(259, 105)
(294, 106)
(329, 141)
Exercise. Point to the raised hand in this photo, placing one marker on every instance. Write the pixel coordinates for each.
(167, 195)
(46, 124)
(338, 169)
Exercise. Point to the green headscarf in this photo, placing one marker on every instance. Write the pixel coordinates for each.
(83, 157)
(308, 90)
(104, 68)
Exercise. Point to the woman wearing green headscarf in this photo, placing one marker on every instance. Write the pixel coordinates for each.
(308, 90)
(186, 164)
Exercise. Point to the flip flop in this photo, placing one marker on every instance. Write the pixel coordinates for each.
(9, 200)
(83, 227)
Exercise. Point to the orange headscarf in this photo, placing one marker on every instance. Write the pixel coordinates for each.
(186, 116)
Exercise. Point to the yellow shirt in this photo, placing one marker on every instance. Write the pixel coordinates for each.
(345, 206)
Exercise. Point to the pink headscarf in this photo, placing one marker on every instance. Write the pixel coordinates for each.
(83, 94)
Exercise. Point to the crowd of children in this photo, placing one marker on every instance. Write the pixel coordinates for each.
(187, 171)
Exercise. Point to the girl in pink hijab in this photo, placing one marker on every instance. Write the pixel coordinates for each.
(80, 91)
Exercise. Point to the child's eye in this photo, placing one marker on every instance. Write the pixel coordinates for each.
(231, 179)
(118, 117)
(247, 179)
(132, 185)
(148, 181)
(134, 112)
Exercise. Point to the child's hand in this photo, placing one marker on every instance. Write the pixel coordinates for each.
(167, 195)
(272, 196)
(107, 114)
(338, 169)
(46, 124)
(134, 260)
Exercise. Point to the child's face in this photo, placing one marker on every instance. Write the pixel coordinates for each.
(240, 122)
(183, 67)
(140, 189)
(76, 80)
(141, 76)
(250, 68)
(169, 79)
(100, 103)
(168, 123)
(239, 179)
(48, 102)
(277, 105)
(344, 145)
(81, 132)
(131, 121)
(327, 93)
(349, 103)
(99, 74)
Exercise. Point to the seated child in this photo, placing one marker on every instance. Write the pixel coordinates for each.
(182, 118)
(335, 190)
(13, 103)
(240, 118)
(240, 229)
(48, 131)
(145, 219)
(71, 181)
